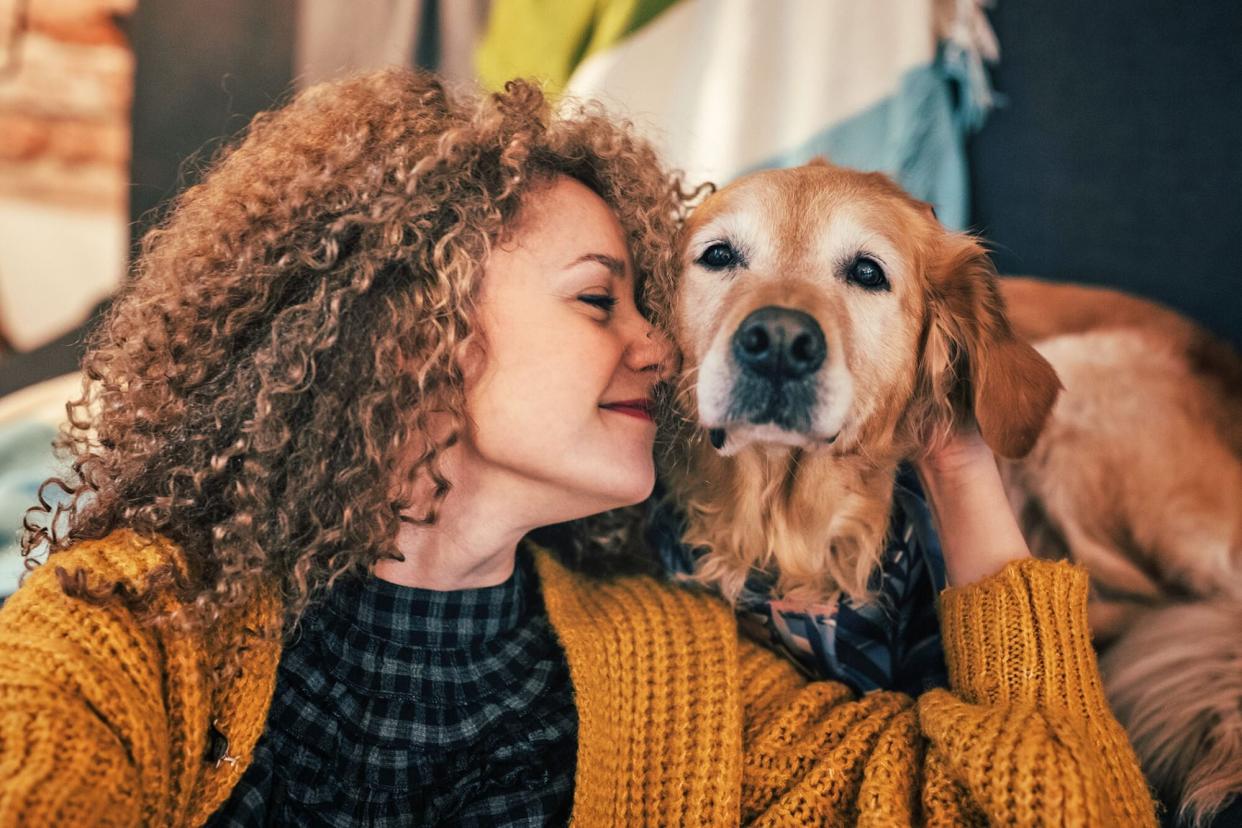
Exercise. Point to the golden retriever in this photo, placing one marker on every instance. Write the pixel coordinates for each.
(830, 328)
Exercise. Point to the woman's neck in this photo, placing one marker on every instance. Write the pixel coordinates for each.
(462, 551)
(479, 524)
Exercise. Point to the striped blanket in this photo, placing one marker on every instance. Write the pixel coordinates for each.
(724, 87)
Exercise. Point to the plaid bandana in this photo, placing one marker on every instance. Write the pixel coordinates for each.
(892, 643)
(403, 706)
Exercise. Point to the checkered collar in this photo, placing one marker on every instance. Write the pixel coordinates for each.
(415, 617)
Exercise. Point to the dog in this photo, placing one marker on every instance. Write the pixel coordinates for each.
(830, 329)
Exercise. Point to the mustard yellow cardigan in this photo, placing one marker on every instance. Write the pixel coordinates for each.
(105, 721)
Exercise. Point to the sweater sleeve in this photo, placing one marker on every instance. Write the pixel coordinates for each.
(60, 764)
(1027, 729)
(1024, 735)
(65, 756)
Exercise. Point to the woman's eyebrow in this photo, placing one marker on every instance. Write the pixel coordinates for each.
(614, 265)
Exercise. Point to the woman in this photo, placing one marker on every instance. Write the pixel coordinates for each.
(389, 334)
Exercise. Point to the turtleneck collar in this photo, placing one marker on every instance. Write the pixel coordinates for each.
(416, 617)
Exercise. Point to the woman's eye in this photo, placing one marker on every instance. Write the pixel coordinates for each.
(603, 300)
(864, 272)
(719, 257)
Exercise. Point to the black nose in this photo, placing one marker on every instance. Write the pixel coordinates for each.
(780, 342)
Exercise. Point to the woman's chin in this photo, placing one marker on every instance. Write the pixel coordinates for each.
(624, 491)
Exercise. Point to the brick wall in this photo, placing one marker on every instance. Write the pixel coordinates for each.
(66, 84)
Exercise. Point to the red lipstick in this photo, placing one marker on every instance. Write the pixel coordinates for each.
(641, 408)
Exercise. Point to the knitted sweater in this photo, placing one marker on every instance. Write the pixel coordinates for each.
(105, 721)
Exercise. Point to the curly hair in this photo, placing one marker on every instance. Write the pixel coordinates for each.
(261, 391)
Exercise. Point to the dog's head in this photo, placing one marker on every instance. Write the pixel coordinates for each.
(824, 308)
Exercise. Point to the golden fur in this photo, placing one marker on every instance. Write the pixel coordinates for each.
(903, 370)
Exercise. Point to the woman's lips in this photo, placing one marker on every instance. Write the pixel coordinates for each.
(635, 408)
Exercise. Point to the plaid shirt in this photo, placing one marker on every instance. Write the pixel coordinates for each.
(403, 706)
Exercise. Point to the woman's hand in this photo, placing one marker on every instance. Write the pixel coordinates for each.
(978, 532)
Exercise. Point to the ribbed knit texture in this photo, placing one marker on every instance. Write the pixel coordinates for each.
(103, 721)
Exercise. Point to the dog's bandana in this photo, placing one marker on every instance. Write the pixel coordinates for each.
(890, 643)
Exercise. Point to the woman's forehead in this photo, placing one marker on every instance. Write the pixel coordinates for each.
(567, 220)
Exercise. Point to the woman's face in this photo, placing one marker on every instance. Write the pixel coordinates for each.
(559, 405)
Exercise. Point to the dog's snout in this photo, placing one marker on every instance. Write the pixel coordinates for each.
(779, 342)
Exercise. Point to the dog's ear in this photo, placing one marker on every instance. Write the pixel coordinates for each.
(972, 363)
(819, 161)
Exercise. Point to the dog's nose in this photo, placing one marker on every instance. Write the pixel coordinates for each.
(780, 342)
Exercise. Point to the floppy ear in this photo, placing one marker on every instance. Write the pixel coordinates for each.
(972, 362)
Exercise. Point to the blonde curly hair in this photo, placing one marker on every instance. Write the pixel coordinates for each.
(258, 387)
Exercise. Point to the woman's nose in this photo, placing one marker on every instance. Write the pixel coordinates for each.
(651, 350)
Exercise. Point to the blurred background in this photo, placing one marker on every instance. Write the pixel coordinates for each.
(1087, 142)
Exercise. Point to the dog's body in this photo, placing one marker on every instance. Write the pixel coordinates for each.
(832, 328)
(1138, 476)
(1139, 471)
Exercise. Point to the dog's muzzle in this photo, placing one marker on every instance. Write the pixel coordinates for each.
(777, 351)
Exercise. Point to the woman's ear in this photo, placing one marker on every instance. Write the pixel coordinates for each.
(972, 364)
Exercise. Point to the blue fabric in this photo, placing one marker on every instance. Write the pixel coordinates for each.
(891, 643)
(26, 460)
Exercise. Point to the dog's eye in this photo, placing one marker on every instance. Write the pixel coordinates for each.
(719, 257)
(866, 273)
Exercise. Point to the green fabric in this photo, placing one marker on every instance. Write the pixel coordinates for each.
(547, 39)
